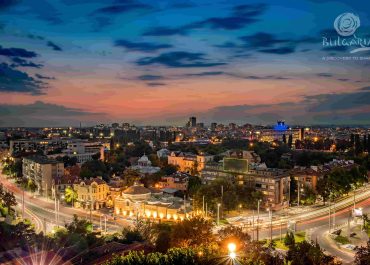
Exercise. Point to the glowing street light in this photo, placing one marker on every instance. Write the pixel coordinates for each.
(231, 247)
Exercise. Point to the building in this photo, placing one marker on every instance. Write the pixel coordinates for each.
(187, 162)
(144, 166)
(177, 181)
(278, 132)
(213, 126)
(84, 151)
(163, 153)
(34, 145)
(140, 202)
(92, 191)
(272, 183)
(192, 122)
(42, 171)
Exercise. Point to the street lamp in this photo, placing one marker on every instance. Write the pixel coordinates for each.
(218, 213)
(232, 247)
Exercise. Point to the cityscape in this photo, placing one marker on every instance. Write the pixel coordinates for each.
(138, 132)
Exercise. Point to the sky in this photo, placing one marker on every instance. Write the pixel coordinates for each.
(63, 62)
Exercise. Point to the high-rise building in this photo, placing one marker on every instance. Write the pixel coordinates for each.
(193, 122)
(213, 126)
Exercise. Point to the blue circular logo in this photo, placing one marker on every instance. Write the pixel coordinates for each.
(346, 24)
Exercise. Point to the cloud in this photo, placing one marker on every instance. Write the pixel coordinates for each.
(21, 62)
(240, 17)
(34, 115)
(154, 84)
(150, 77)
(324, 74)
(120, 8)
(7, 3)
(339, 101)
(54, 46)
(280, 50)
(44, 77)
(12, 80)
(179, 59)
(140, 46)
(207, 73)
(262, 39)
(17, 52)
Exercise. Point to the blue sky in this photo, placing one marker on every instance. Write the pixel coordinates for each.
(158, 62)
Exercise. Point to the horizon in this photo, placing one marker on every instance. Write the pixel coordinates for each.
(65, 62)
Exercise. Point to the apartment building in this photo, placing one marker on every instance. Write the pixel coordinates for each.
(42, 171)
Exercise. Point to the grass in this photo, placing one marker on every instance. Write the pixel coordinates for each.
(342, 240)
(299, 237)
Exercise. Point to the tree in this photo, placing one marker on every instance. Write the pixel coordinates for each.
(192, 232)
(289, 240)
(79, 226)
(9, 200)
(362, 256)
(233, 234)
(131, 236)
(70, 195)
(308, 253)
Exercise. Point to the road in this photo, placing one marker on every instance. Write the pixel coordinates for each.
(42, 212)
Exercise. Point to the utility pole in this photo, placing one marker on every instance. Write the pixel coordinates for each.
(55, 208)
(222, 200)
(253, 226)
(334, 216)
(206, 210)
(105, 225)
(329, 217)
(270, 213)
(203, 205)
(281, 232)
(184, 206)
(258, 217)
(299, 193)
(218, 213)
(23, 204)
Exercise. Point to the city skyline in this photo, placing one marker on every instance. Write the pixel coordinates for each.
(65, 62)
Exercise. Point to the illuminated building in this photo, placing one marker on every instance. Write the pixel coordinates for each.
(92, 191)
(42, 171)
(140, 202)
(188, 161)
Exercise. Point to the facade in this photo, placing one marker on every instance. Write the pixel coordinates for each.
(163, 153)
(277, 133)
(272, 183)
(84, 151)
(140, 202)
(178, 181)
(144, 166)
(42, 171)
(34, 145)
(91, 193)
(188, 161)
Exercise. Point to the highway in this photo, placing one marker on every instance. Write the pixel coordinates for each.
(42, 212)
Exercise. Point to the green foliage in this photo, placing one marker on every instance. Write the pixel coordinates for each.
(342, 239)
(289, 239)
(363, 255)
(175, 256)
(70, 195)
(308, 253)
(192, 232)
